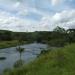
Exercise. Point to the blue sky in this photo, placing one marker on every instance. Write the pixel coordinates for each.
(36, 15)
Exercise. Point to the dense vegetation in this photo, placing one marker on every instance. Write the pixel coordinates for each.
(57, 37)
(12, 43)
(5, 44)
(55, 62)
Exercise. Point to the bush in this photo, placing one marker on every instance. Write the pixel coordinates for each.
(57, 42)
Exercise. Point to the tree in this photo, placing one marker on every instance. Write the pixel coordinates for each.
(71, 35)
(59, 30)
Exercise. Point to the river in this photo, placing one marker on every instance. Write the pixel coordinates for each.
(30, 53)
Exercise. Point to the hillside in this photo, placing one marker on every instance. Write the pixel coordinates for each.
(56, 62)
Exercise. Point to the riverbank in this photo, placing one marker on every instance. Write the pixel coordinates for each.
(10, 57)
(55, 62)
(7, 44)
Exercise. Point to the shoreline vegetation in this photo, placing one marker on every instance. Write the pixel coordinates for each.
(59, 37)
(55, 62)
(8, 44)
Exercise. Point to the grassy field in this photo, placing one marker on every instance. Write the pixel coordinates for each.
(6, 44)
(55, 62)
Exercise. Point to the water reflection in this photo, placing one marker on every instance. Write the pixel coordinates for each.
(20, 50)
(31, 51)
(19, 63)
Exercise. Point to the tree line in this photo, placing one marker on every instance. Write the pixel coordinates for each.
(58, 37)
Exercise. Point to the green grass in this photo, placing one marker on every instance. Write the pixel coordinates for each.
(56, 62)
(6, 44)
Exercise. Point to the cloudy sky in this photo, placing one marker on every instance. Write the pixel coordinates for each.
(36, 15)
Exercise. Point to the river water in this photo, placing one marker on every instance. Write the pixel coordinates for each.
(30, 54)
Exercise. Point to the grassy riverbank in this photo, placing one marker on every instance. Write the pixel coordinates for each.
(6, 44)
(55, 62)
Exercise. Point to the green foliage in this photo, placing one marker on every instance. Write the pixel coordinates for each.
(71, 37)
(5, 35)
(57, 35)
(59, 30)
(56, 62)
(57, 42)
(5, 44)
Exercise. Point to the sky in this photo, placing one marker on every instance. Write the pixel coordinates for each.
(36, 15)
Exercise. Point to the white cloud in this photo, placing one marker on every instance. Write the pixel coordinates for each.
(17, 4)
(64, 19)
(56, 2)
(14, 23)
(64, 16)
